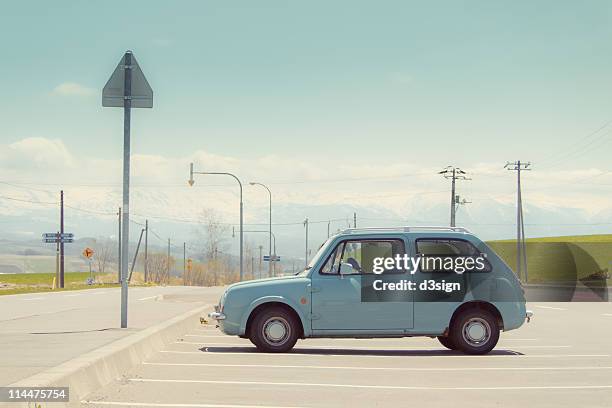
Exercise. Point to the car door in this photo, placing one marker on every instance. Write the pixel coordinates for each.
(344, 302)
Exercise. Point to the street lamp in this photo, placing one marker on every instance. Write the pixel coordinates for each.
(192, 181)
(254, 183)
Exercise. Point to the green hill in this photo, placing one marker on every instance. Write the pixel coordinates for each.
(562, 259)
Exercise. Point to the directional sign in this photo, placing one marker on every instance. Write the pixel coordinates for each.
(114, 93)
(88, 253)
(274, 258)
(54, 237)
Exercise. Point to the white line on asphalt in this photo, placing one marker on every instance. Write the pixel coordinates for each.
(36, 298)
(607, 314)
(78, 294)
(357, 348)
(297, 353)
(381, 387)
(259, 366)
(550, 307)
(156, 404)
(149, 297)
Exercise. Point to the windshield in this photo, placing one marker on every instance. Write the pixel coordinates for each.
(315, 258)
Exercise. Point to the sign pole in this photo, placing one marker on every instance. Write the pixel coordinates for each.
(127, 88)
(127, 104)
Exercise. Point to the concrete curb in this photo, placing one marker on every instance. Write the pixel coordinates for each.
(93, 370)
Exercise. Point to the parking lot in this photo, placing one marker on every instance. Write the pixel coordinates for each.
(563, 358)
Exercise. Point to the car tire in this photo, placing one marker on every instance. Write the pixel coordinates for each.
(447, 342)
(274, 330)
(475, 331)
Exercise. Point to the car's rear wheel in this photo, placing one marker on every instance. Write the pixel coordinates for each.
(274, 330)
(447, 342)
(475, 331)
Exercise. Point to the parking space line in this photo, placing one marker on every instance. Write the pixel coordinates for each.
(356, 348)
(549, 307)
(34, 298)
(371, 386)
(357, 368)
(158, 404)
(75, 295)
(467, 356)
(607, 314)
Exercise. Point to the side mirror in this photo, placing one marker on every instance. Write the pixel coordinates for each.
(346, 269)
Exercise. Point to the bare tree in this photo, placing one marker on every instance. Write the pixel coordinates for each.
(211, 234)
(104, 250)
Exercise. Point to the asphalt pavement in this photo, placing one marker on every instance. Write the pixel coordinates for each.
(43, 330)
(563, 358)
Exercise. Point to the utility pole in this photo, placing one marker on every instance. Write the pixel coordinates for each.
(61, 280)
(453, 173)
(119, 250)
(146, 252)
(521, 247)
(328, 224)
(184, 261)
(168, 260)
(306, 253)
(354, 220)
(260, 255)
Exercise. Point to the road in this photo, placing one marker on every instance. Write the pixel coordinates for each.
(42, 330)
(563, 358)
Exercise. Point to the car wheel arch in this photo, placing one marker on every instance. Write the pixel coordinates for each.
(264, 305)
(477, 304)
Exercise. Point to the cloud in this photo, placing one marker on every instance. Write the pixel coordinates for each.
(391, 193)
(73, 89)
(38, 153)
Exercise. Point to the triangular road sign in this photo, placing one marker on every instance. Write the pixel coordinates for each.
(114, 90)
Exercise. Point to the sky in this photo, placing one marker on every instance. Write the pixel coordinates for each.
(339, 106)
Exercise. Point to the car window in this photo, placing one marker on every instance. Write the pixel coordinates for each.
(332, 263)
(449, 247)
(448, 255)
(360, 254)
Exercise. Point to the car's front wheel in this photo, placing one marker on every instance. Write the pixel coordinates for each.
(475, 331)
(274, 330)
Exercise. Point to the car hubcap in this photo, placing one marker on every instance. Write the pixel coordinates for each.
(476, 331)
(276, 331)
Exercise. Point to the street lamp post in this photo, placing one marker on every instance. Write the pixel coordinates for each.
(192, 181)
(254, 183)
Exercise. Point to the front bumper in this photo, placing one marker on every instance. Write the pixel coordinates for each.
(528, 315)
(216, 315)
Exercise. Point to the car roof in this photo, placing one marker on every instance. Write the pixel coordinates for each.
(420, 231)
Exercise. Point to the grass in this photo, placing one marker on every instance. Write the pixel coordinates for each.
(11, 284)
(562, 259)
(568, 238)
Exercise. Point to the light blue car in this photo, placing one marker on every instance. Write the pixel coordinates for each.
(383, 282)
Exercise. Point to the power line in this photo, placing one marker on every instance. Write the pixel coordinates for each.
(29, 201)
